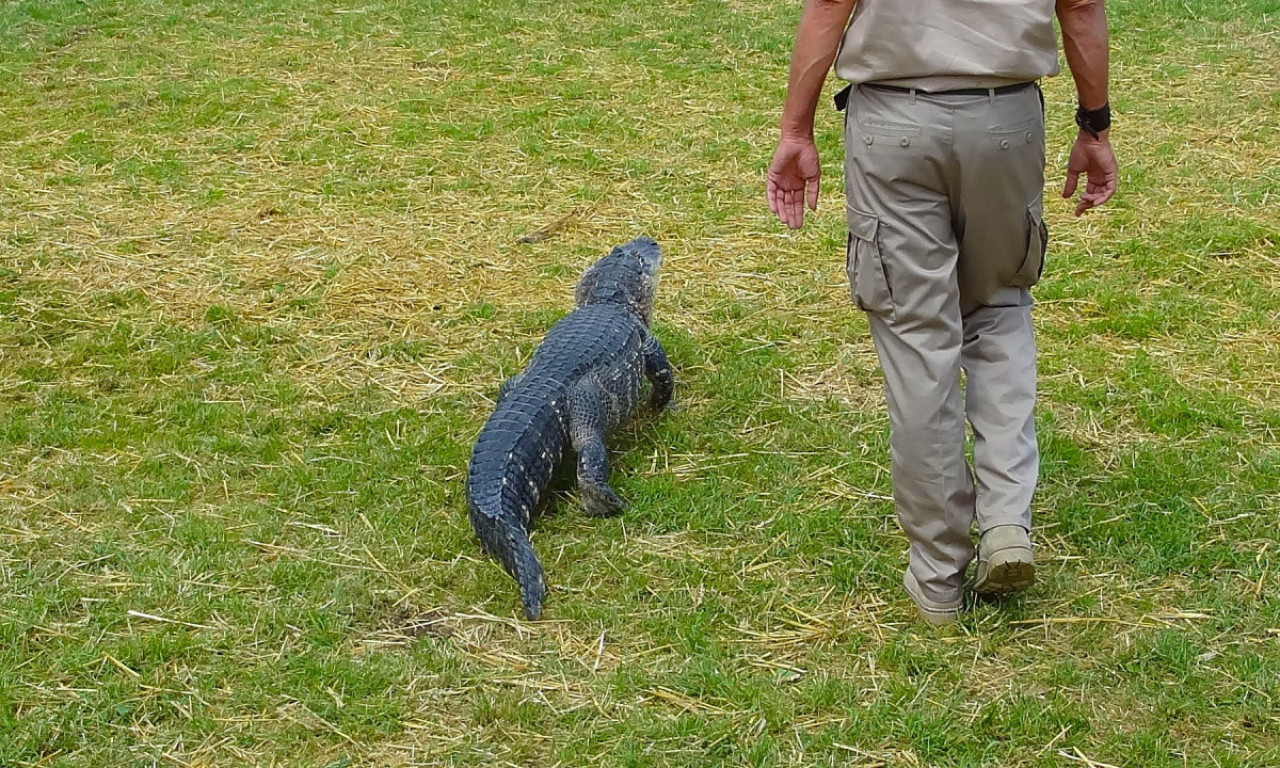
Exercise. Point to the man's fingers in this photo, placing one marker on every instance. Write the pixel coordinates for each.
(1095, 194)
(1087, 201)
(1105, 190)
(1069, 188)
(779, 202)
(788, 204)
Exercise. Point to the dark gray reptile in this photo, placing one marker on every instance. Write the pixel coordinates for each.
(584, 381)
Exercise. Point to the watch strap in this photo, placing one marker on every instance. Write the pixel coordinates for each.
(1094, 121)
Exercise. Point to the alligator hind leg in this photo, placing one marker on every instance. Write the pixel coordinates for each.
(587, 419)
(505, 388)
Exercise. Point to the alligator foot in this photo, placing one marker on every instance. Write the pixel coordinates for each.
(600, 502)
(587, 418)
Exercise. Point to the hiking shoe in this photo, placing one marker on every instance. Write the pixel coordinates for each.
(1005, 563)
(932, 611)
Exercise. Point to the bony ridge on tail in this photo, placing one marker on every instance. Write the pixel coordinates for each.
(583, 382)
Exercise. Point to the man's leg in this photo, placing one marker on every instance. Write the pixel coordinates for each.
(999, 363)
(903, 272)
(1000, 369)
(1000, 175)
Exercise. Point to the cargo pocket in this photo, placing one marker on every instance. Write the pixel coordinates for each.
(863, 262)
(1037, 244)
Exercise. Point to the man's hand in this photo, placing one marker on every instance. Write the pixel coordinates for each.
(1094, 158)
(793, 180)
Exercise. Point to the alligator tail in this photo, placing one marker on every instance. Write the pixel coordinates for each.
(505, 538)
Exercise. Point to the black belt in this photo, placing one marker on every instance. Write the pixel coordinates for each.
(842, 98)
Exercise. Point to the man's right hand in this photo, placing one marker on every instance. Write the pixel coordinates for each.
(793, 180)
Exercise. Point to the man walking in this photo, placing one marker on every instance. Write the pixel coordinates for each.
(944, 180)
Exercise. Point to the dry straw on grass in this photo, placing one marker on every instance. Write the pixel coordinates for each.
(353, 243)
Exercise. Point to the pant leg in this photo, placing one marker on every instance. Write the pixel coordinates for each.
(999, 146)
(902, 265)
(1000, 369)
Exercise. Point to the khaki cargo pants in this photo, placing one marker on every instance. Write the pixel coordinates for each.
(945, 237)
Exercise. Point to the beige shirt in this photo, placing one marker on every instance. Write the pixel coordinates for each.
(938, 45)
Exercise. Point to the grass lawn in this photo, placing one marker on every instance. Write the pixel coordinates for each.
(260, 278)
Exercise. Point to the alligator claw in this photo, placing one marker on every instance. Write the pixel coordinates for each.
(601, 502)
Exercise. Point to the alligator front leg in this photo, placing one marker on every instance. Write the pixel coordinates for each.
(657, 369)
(587, 419)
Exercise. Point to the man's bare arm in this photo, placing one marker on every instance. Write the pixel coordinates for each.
(822, 25)
(795, 171)
(1084, 43)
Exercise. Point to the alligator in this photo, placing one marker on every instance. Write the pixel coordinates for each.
(583, 382)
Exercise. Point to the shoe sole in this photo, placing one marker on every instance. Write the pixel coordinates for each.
(937, 618)
(1006, 577)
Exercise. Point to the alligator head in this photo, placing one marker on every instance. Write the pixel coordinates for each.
(627, 276)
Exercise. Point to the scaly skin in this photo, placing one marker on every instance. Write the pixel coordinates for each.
(583, 382)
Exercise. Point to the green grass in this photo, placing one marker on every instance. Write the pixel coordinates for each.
(259, 281)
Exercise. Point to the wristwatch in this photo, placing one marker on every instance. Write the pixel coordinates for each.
(1094, 121)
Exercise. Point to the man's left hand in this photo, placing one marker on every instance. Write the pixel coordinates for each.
(1095, 159)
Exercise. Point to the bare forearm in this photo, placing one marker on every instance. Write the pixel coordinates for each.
(1084, 43)
(822, 25)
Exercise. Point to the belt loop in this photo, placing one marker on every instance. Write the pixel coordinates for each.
(991, 95)
(913, 97)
